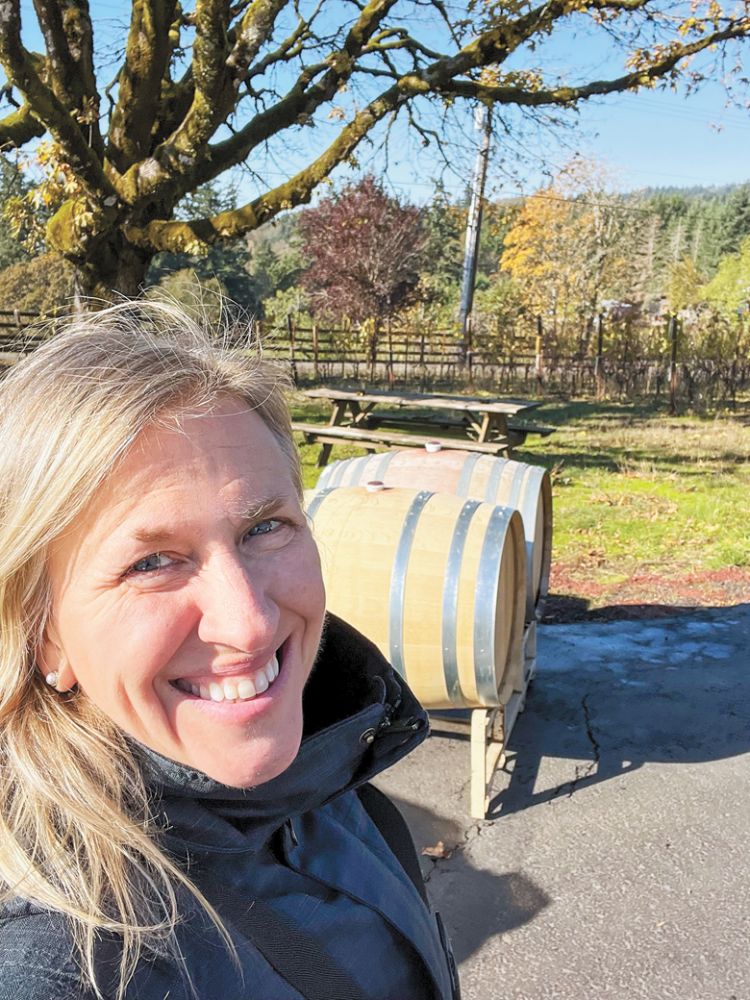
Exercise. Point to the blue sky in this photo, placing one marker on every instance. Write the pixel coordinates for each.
(651, 139)
(662, 139)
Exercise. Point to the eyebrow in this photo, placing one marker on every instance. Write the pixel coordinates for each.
(255, 510)
(262, 507)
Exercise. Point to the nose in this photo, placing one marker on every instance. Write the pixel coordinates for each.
(236, 608)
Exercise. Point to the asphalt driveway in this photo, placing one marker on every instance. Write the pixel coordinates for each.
(617, 861)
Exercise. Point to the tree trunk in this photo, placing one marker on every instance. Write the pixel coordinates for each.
(115, 269)
(372, 347)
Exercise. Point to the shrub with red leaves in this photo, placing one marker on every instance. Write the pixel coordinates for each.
(366, 249)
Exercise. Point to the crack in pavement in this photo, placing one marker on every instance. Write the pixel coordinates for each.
(581, 770)
(470, 834)
(590, 733)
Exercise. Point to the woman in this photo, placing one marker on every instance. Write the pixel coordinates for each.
(183, 808)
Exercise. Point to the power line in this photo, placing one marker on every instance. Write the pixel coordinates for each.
(520, 194)
(684, 114)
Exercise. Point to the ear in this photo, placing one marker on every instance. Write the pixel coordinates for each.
(51, 658)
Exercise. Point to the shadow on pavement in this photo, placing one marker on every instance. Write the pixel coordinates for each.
(484, 903)
(569, 608)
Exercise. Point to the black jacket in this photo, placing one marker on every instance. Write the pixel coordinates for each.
(303, 848)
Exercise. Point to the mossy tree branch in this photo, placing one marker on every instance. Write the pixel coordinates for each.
(302, 100)
(68, 37)
(656, 69)
(196, 235)
(19, 127)
(290, 47)
(182, 160)
(21, 69)
(176, 236)
(212, 99)
(176, 96)
(255, 28)
(147, 55)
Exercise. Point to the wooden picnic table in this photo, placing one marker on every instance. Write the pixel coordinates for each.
(482, 423)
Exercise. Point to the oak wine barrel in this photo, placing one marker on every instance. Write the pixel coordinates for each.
(436, 581)
(525, 488)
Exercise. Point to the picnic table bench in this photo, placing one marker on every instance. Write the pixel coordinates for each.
(371, 439)
(482, 424)
(517, 431)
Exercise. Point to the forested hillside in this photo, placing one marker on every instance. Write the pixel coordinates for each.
(704, 224)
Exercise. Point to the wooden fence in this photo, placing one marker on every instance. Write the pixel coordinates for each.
(438, 359)
(17, 329)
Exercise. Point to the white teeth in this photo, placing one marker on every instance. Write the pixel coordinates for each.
(230, 690)
(246, 689)
(234, 690)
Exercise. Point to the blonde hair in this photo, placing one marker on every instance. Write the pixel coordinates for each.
(76, 830)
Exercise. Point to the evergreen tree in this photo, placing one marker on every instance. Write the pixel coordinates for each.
(13, 185)
(736, 219)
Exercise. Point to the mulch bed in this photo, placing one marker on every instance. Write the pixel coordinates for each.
(573, 598)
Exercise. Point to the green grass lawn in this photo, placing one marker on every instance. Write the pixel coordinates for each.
(638, 494)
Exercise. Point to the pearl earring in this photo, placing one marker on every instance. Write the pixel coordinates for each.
(52, 678)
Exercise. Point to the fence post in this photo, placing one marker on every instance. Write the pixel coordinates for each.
(390, 374)
(292, 358)
(598, 374)
(538, 354)
(672, 364)
(315, 349)
(510, 356)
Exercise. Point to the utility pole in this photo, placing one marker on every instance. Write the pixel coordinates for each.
(482, 122)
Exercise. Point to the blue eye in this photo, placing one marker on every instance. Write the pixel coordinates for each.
(264, 527)
(157, 560)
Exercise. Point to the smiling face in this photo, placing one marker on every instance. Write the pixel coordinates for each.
(187, 600)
